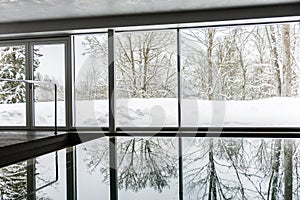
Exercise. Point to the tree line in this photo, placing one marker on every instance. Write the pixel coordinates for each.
(229, 63)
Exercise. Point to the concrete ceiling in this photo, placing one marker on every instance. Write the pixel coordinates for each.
(31, 10)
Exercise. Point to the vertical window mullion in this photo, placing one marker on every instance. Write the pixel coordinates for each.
(179, 75)
(180, 161)
(30, 114)
(111, 80)
(69, 77)
(73, 66)
(112, 127)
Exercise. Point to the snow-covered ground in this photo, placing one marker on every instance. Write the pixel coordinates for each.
(279, 111)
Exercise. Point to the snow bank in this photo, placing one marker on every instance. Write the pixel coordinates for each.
(279, 111)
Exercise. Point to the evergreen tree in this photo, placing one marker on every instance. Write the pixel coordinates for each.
(12, 66)
(13, 181)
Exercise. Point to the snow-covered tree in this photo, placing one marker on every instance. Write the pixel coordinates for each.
(200, 75)
(12, 66)
(13, 182)
(92, 83)
(45, 92)
(145, 64)
(252, 63)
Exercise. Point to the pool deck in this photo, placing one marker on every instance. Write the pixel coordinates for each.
(16, 146)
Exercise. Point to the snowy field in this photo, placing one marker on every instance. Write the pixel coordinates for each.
(277, 111)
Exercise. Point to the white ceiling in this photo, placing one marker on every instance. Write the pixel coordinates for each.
(30, 10)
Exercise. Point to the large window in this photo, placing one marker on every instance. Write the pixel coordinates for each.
(50, 59)
(146, 79)
(28, 73)
(241, 76)
(235, 76)
(91, 81)
(12, 94)
(225, 76)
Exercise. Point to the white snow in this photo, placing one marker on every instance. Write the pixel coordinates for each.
(158, 112)
(12, 114)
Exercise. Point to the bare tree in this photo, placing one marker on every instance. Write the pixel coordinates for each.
(146, 64)
(142, 162)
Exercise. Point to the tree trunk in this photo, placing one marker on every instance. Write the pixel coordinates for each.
(145, 71)
(244, 72)
(275, 169)
(287, 92)
(210, 64)
(286, 61)
(288, 169)
(132, 61)
(212, 194)
(274, 57)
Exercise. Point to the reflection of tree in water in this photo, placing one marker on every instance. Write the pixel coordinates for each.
(142, 162)
(239, 169)
(146, 162)
(220, 168)
(13, 181)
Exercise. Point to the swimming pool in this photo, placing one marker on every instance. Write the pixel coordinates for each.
(151, 168)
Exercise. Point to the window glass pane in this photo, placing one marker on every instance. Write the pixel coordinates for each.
(12, 94)
(91, 80)
(146, 79)
(241, 76)
(49, 66)
(147, 168)
(232, 168)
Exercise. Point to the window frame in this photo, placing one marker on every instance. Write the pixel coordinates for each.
(70, 84)
(252, 131)
(30, 106)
